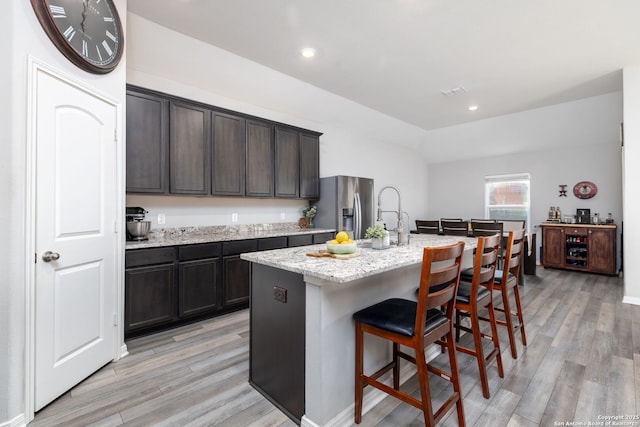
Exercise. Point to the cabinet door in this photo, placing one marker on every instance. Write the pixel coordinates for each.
(309, 166)
(553, 246)
(237, 276)
(149, 296)
(146, 143)
(260, 159)
(228, 170)
(287, 163)
(602, 250)
(236, 272)
(189, 143)
(197, 286)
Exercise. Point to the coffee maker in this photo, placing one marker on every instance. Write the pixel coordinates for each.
(137, 227)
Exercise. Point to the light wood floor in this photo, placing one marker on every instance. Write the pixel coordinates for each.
(582, 362)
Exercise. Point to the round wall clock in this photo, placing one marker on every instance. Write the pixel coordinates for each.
(87, 32)
(585, 190)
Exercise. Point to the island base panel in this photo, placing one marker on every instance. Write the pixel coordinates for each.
(277, 343)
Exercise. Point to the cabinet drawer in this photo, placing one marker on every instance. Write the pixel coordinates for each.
(570, 231)
(272, 243)
(300, 240)
(322, 237)
(239, 247)
(201, 251)
(151, 256)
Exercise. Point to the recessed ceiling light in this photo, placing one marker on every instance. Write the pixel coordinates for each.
(308, 52)
(473, 107)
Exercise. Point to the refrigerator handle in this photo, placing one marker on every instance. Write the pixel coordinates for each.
(357, 211)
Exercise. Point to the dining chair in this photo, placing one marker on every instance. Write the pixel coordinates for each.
(427, 226)
(483, 228)
(483, 220)
(415, 325)
(475, 292)
(454, 228)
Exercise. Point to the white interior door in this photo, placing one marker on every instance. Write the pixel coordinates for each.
(76, 289)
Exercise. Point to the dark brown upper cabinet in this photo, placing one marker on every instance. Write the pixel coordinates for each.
(309, 166)
(146, 143)
(228, 170)
(189, 144)
(178, 146)
(259, 159)
(287, 163)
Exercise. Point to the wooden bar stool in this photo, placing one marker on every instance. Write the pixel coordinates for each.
(416, 325)
(507, 279)
(475, 292)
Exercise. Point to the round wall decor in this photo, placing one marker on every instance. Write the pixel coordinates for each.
(87, 32)
(585, 190)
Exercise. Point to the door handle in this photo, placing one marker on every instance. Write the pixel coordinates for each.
(50, 256)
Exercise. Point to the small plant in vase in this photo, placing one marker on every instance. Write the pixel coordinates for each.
(310, 213)
(378, 235)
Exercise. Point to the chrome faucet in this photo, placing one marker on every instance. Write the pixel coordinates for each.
(402, 237)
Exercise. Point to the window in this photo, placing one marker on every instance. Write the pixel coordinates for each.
(507, 197)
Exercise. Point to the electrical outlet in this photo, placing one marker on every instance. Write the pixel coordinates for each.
(279, 294)
(161, 219)
(234, 217)
(282, 215)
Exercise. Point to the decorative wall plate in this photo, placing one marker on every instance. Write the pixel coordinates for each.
(585, 190)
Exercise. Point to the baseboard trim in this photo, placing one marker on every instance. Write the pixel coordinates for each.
(18, 421)
(631, 300)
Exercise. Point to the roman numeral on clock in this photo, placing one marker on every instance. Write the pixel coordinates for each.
(69, 33)
(57, 11)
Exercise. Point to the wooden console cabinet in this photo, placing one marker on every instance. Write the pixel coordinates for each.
(580, 247)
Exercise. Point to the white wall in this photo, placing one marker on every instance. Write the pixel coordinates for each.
(10, 340)
(356, 140)
(631, 78)
(588, 149)
(23, 38)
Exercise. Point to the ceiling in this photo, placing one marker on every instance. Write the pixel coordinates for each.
(398, 56)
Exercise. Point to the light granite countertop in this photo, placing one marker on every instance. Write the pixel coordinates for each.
(160, 237)
(368, 262)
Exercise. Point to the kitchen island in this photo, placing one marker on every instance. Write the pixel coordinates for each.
(302, 338)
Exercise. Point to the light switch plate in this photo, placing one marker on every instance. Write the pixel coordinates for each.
(234, 217)
(161, 219)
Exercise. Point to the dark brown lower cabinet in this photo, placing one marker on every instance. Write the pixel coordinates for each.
(236, 272)
(149, 289)
(199, 272)
(169, 286)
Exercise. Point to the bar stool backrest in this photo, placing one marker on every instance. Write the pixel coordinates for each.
(438, 284)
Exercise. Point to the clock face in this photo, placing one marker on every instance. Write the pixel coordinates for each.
(585, 190)
(87, 32)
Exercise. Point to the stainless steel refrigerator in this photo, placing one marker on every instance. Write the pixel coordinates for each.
(346, 204)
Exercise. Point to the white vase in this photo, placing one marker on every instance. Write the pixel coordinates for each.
(376, 243)
(380, 243)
